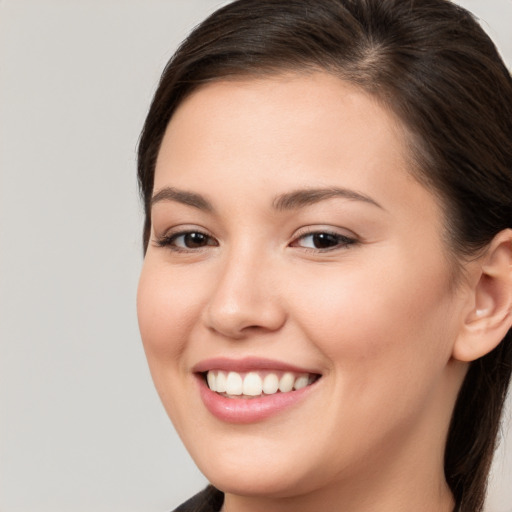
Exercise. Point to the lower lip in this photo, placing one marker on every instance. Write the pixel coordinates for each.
(249, 410)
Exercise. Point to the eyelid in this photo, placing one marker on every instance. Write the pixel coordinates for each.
(345, 239)
(169, 236)
(322, 228)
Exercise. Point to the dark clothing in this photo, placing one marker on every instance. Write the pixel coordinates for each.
(208, 500)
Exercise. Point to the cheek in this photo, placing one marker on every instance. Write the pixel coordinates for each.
(375, 322)
(167, 310)
(387, 346)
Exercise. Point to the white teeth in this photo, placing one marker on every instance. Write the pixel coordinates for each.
(212, 381)
(221, 382)
(301, 382)
(270, 384)
(286, 382)
(234, 384)
(252, 384)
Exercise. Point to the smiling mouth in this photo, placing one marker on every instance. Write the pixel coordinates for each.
(256, 384)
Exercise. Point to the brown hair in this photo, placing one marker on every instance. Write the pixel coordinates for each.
(429, 62)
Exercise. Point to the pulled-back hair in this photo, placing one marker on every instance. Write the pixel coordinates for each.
(430, 63)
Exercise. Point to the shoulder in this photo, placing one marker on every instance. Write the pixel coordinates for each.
(208, 500)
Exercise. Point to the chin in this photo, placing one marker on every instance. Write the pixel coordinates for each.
(260, 471)
(258, 481)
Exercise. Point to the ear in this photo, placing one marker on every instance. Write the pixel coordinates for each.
(490, 312)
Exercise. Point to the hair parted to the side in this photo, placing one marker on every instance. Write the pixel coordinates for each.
(431, 63)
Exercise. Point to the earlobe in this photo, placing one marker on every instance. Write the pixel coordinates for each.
(490, 316)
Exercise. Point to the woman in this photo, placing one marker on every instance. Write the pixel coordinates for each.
(326, 295)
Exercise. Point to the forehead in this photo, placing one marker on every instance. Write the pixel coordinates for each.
(290, 101)
(287, 126)
(241, 144)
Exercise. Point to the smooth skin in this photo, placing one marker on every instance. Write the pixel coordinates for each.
(356, 284)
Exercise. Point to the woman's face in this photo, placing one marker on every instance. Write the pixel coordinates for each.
(291, 246)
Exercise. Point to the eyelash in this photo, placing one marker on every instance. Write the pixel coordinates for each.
(338, 241)
(169, 240)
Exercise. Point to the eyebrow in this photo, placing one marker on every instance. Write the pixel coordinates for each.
(183, 197)
(289, 201)
(305, 197)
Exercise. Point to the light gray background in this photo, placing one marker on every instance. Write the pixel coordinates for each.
(81, 427)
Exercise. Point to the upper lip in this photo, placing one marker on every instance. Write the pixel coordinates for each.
(247, 364)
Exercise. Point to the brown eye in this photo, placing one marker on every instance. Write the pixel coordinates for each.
(187, 240)
(323, 241)
(194, 240)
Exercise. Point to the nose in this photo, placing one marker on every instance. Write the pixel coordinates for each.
(245, 298)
